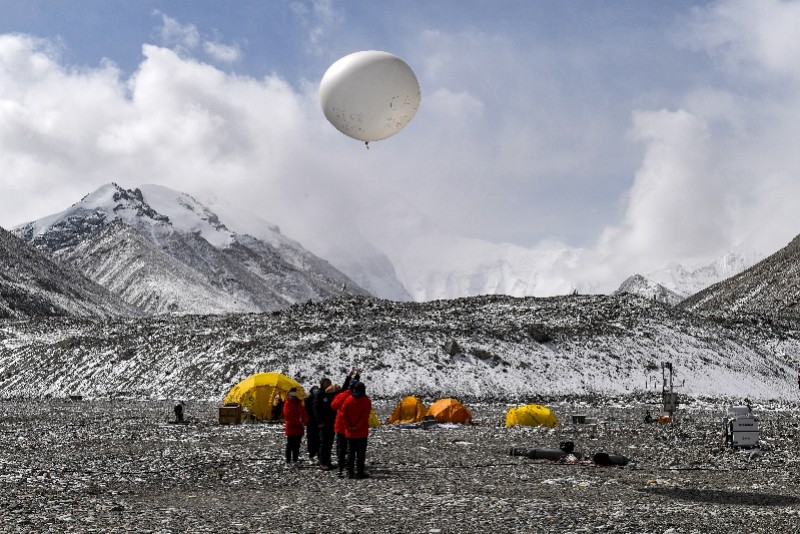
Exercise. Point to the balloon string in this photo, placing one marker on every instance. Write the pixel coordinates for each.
(366, 144)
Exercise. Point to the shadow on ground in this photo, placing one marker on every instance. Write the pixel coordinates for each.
(715, 496)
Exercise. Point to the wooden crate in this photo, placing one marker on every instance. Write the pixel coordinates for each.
(230, 414)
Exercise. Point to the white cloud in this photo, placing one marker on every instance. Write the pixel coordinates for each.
(182, 37)
(746, 35)
(222, 52)
(186, 40)
(721, 172)
(677, 207)
(177, 122)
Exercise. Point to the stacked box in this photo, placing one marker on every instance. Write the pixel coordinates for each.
(741, 427)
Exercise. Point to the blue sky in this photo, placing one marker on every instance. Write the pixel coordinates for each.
(644, 131)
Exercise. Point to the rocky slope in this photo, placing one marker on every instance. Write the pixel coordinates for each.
(769, 288)
(482, 347)
(32, 285)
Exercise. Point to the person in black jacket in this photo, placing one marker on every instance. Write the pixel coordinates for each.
(312, 428)
(326, 417)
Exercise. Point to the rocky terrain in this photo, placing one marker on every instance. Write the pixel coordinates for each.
(479, 348)
(120, 466)
(31, 284)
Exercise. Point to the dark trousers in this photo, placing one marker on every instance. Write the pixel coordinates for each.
(356, 455)
(312, 440)
(293, 448)
(325, 444)
(341, 451)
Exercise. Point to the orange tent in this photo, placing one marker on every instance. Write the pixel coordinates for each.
(408, 410)
(450, 411)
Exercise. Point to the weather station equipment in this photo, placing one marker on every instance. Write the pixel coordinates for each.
(669, 399)
(740, 427)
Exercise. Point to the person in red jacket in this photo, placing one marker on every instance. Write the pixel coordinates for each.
(355, 412)
(339, 427)
(296, 419)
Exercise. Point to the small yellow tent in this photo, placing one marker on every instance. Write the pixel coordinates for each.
(373, 419)
(450, 411)
(258, 392)
(408, 410)
(531, 415)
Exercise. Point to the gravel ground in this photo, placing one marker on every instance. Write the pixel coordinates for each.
(102, 466)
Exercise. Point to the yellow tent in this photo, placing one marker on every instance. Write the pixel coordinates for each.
(373, 419)
(408, 410)
(531, 415)
(450, 411)
(260, 391)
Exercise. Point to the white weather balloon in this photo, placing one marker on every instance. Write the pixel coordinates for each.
(369, 95)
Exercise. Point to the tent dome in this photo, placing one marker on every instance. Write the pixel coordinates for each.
(531, 415)
(450, 411)
(408, 410)
(258, 393)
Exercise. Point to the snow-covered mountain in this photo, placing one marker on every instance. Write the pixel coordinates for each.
(676, 282)
(491, 347)
(769, 288)
(124, 261)
(688, 280)
(432, 264)
(170, 254)
(639, 285)
(32, 285)
(459, 267)
(439, 266)
(353, 255)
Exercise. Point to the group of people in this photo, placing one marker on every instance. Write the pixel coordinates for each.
(331, 413)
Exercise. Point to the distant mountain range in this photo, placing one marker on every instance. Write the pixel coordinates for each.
(143, 291)
(675, 283)
(161, 251)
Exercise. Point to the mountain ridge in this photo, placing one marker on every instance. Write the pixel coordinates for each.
(771, 287)
(243, 273)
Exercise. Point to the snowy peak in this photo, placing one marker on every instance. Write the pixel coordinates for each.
(147, 208)
(688, 280)
(641, 286)
(185, 258)
(128, 205)
(187, 215)
(87, 217)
